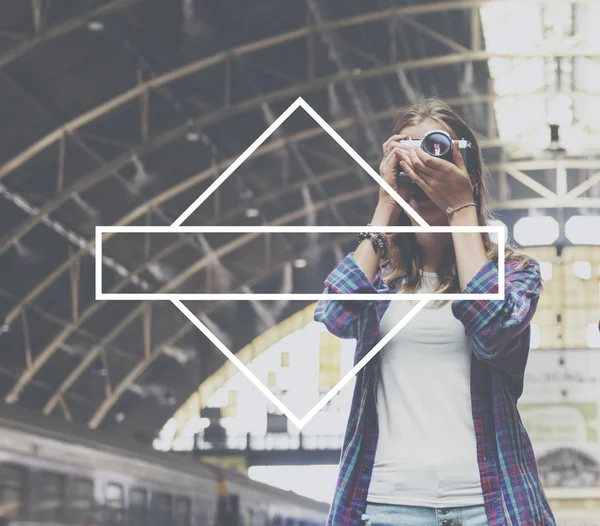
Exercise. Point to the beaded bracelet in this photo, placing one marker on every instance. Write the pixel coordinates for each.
(386, 236)
(378, 240)
(451, 210)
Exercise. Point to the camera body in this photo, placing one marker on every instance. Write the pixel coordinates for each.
(438, 143)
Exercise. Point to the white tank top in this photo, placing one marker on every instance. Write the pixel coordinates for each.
(426, 452)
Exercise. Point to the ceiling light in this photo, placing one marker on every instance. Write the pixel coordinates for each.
(228, 422)
(593, 336)
(192, 136)
(493, 235)
(95, 25)
(536, 336)
(546, 270)
(219, 399)
(582, 269)
(300, 263)
(555, 146)
(583, 230)
(119, 417)
(203, 422)
(536, 231)
(252, 212)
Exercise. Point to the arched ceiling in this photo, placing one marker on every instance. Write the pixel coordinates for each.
(122, 112)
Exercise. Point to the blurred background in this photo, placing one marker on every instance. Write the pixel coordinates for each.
(123, 112)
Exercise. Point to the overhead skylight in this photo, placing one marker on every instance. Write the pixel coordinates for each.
(583, 230)
(536, 231)
(547, 80)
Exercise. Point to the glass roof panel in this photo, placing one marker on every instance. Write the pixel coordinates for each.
(541, 74)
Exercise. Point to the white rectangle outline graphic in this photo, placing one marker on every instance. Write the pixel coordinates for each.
(159, 296)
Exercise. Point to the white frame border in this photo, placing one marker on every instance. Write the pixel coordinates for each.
(150, 296)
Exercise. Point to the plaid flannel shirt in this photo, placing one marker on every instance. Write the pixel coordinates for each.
(499, 332)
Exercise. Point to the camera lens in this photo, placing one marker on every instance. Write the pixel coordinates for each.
(437, 143)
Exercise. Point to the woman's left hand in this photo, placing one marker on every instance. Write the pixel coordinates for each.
(447, 184)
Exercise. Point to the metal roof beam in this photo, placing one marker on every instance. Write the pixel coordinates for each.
(205, 174)
(245, 49)
(360, 100)
(45, 354)
(48, 316)
(94, 307)
(64, 29)
(435, 35)
(54, 114)
(172, 284)
(103, 173)
(143, 364)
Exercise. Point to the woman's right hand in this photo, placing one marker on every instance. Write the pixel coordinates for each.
(388, 170)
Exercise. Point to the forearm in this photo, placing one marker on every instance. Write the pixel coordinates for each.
(494, 324)
(470, 251)
(365, 255)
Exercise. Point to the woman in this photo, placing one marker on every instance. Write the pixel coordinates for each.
(434, 437)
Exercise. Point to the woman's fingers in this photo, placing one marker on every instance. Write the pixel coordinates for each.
(431, 163)
(388, 170)
(388, 161)
(387, 145)
(419, 164)
(398, 144)
(408, 169)
(404, 155)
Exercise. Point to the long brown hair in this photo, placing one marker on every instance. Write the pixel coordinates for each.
(405, 259)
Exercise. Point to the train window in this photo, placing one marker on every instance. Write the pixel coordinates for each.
(277, 521)
(50, 504)
(183, 511)
(82, 501)
(290, 522)
(161, 509)
(115, 504)
(12, 491)
(261, 518)
(138, 508)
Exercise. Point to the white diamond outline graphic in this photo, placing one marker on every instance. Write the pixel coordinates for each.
(176, 298)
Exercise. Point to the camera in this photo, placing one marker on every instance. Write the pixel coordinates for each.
(438, 143)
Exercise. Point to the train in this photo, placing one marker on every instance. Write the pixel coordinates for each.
(54, 473)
